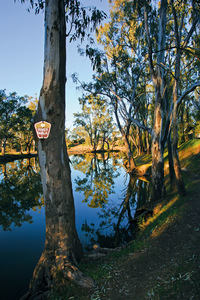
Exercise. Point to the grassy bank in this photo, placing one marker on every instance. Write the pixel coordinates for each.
(163, 262)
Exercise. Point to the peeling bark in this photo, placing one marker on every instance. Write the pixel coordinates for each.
(157, 75)
(131, 163)
(171, 166)
(177, 167)
(62, 246)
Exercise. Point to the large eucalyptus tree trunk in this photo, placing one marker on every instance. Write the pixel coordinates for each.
(157, 151)
(62, 246)
(157, 76)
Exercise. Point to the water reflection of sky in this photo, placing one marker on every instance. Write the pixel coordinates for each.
(20, 250)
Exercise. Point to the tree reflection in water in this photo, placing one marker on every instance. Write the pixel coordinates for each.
(98, 187)
(20, 190)
(98, 182)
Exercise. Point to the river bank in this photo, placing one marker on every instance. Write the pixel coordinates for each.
(8, 157)
(163, 262)
(79, 149)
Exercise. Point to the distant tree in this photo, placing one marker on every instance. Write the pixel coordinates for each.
(121, 72)
(9, 106)
(95, 119)
(79, 135)
(23, 128)
(145, 41)
(16, 121)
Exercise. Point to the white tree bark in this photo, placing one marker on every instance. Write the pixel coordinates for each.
(62, 246)
(157, 78)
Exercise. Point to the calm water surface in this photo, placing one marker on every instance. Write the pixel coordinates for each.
(105, 198)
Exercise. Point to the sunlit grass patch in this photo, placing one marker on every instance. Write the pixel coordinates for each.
(144, 159)
(157, 212)
(189, 154)
(158, 230)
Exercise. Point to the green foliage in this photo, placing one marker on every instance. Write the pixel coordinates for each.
(15, 122)
(79, 18)
(8, 108)
(95, 120)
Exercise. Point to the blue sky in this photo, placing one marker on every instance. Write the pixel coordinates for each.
(21, 54)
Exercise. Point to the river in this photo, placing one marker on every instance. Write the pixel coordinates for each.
(105, 196)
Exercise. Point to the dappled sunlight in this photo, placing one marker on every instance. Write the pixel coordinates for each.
(187, 154)
(164, 222)
(144, 169)
(158, 230)
(158, 210)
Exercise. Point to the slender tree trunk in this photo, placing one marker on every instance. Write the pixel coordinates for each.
(125, 204)
(131, 162)
(62, 246)
(177, 167)
(139, 141)
(103, 143)
(147, 139)
(107, 144)
(187, 124)
(171, 165)
(4, 147)
(134, 143)
(132, 166)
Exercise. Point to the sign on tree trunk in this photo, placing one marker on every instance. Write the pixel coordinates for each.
(42, 129)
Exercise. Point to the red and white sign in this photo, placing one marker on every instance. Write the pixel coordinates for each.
(42, 129)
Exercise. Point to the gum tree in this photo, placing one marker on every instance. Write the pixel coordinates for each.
(62, 247)
(95, 119)
(10, 105)
(166, 35)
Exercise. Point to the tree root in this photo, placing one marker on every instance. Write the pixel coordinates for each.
(76, 276)
(37, 296)
(46, 276)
